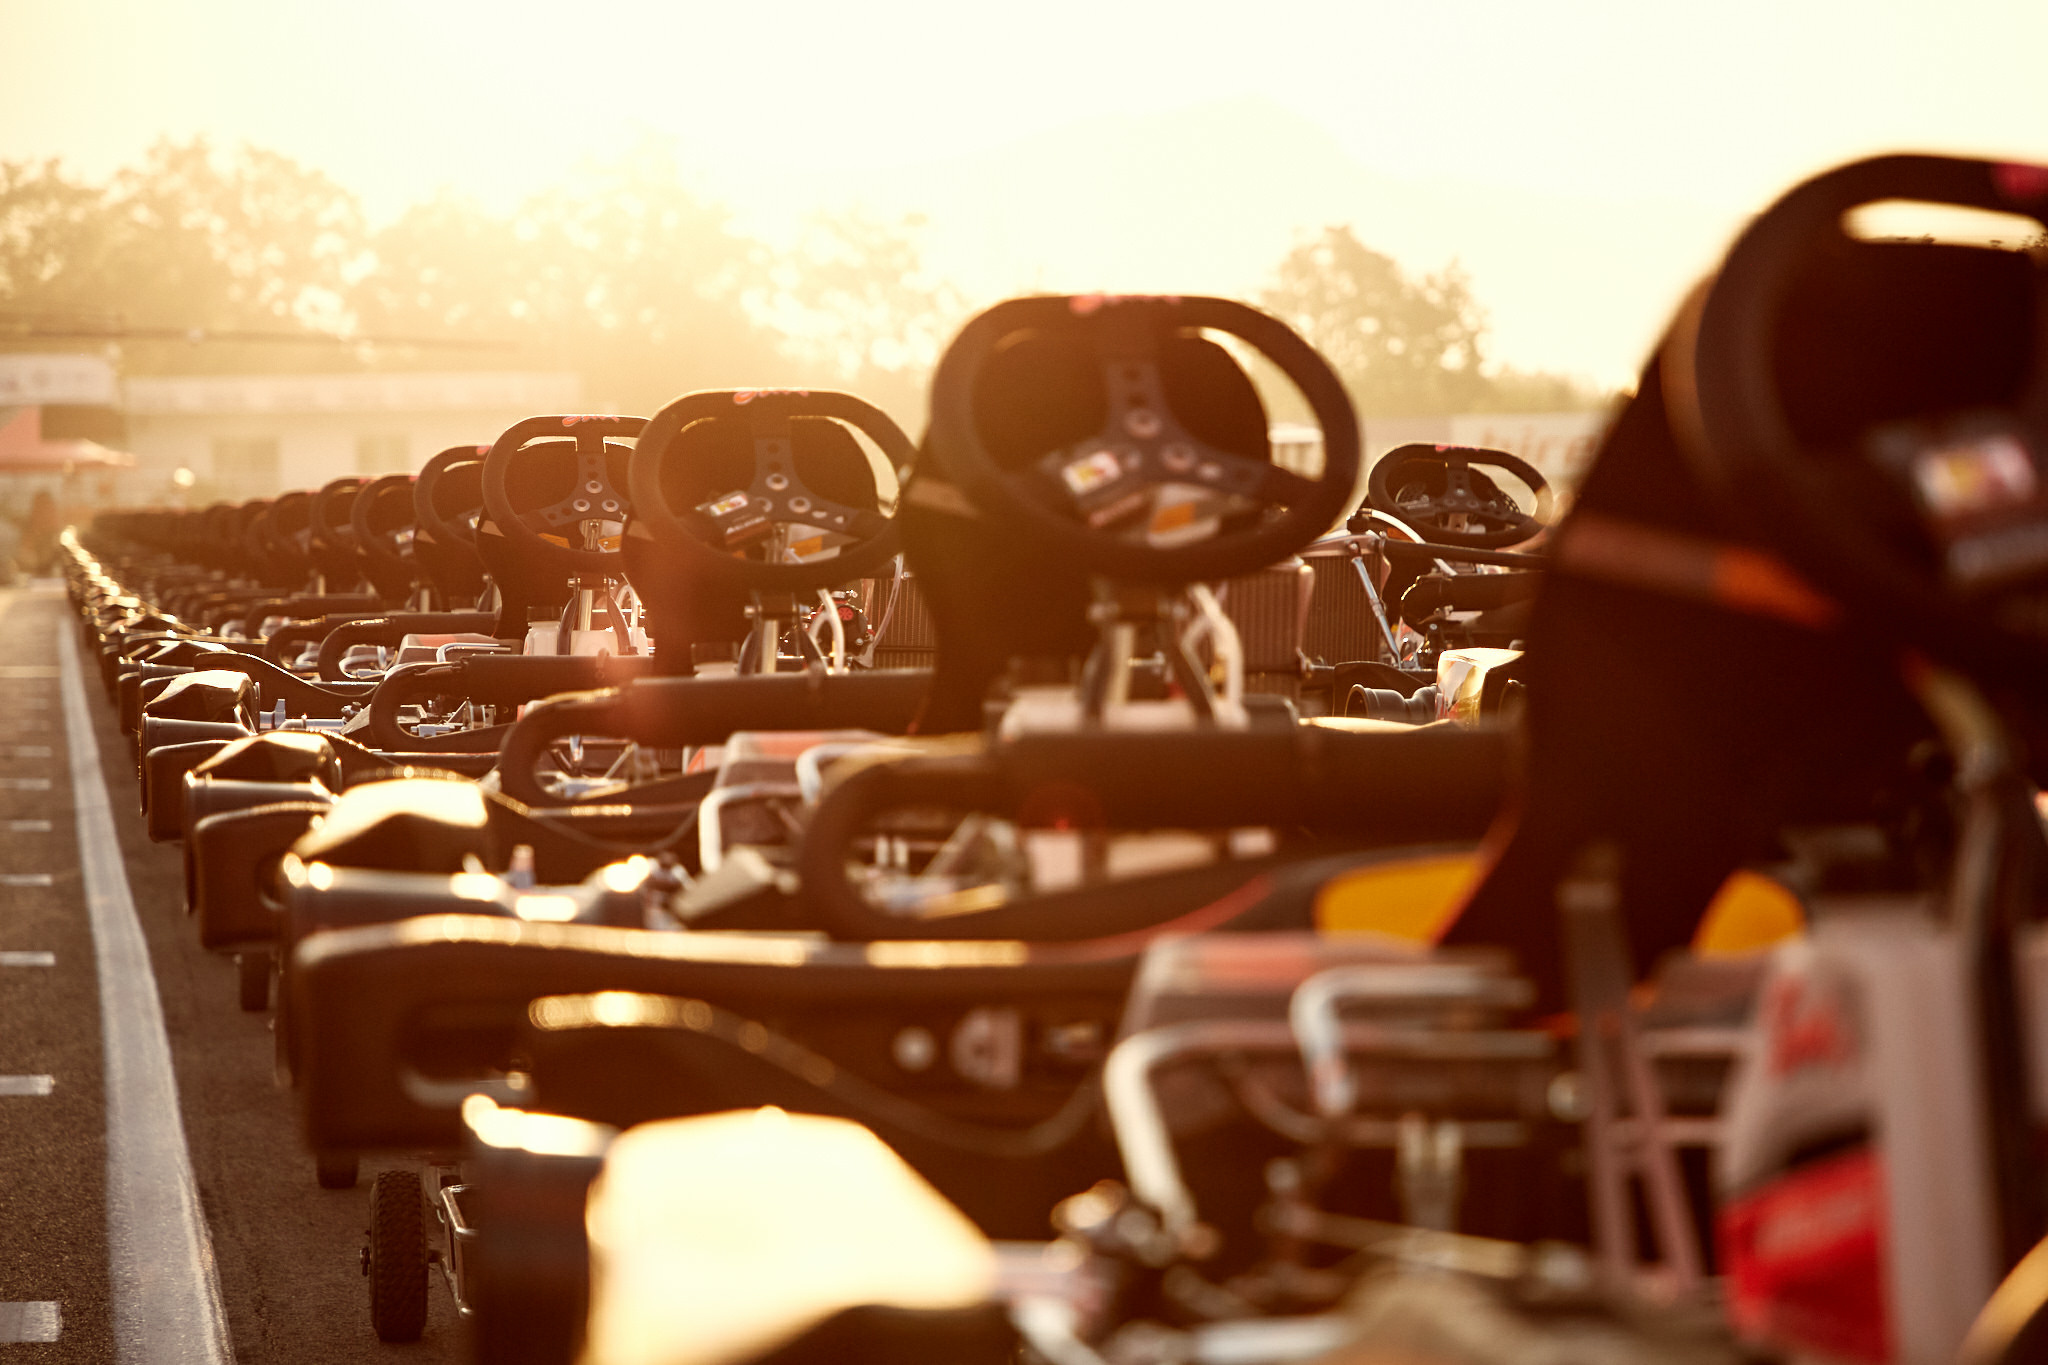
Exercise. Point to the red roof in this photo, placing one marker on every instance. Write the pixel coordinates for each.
(24, 451)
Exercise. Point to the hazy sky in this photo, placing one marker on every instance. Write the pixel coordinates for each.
(1582, 159)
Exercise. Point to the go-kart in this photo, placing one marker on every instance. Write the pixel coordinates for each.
(1449, 597)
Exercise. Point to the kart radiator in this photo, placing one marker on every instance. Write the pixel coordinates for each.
(1315, 607)
(908, 637)
(1270, 609)
(1340, 628)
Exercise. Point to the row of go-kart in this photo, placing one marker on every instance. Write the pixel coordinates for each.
(1037, 892)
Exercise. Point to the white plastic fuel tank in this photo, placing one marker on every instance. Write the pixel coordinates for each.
(1856, 1204)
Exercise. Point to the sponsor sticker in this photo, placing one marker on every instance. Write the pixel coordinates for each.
(1092, 473)
(1981, 493)
(1992, 471)
(1805, 1257)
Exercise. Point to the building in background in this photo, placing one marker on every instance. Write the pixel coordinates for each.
(246, 436)
(60, 427)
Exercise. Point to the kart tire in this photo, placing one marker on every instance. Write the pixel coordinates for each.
(252, 980)
(336, 1170)
(397, 1264)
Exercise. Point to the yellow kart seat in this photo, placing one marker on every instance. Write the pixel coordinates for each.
(1417, 898)
(721, 1237)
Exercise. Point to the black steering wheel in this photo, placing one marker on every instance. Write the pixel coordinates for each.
(380, 516)
(1735, 422)
(777, 496)
(381, 512)
(592, 497)
(450, 528)
(330, 532)
(282, 532)
(1433, 489)
(1142, 445)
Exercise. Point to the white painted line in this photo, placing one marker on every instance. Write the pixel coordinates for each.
(24, 784)
(27, 879)
(30, 750)
(28, 959)
(160, 1267)
(27, 1085)
(30, 1321)
(28, 826)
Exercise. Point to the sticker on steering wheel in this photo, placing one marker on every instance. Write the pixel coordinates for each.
(1981, 493)
(1091, 473)
(736, 517)
(606, 543)
(1105, 488)
(812, 548)
(1183, 513)
(1975, 476)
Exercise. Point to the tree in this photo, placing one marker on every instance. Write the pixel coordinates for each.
(1404, 346)
(627, 276)
(854, 300)
(191, 238)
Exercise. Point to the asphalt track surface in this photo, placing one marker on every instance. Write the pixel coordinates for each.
(284, 1251)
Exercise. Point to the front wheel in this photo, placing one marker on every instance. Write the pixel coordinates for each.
(397, 1261)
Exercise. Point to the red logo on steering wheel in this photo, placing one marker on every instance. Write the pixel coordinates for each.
(1081, 305)
(2020, 182)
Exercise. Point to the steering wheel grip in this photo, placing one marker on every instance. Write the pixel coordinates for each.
(1316, 504)
(363, 518)
(590, 434)
(425, 514)
(873, 544)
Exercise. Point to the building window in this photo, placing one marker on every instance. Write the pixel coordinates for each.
(246, 464)
(383, 454)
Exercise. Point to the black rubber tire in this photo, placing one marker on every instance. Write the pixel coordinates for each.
(252, 980)
(398, 1257)
(337, 1170)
